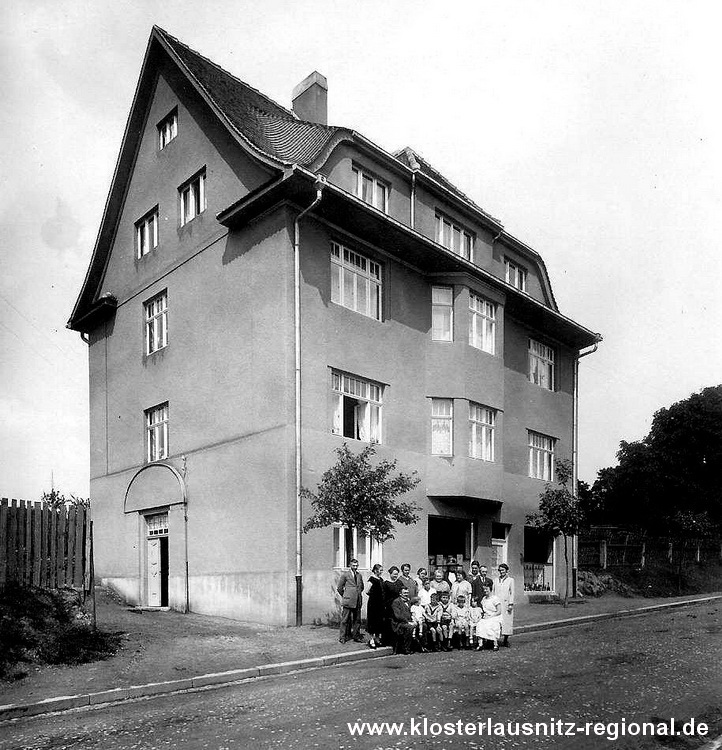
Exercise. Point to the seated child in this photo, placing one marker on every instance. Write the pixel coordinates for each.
(475, 615)
(418, 611)
(425, 593)
(446, 621)
(462, 621)
(433, 629)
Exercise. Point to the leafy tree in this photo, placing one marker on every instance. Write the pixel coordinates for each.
(355, 493)
(55, 500)
(675, 467)
(560, 513)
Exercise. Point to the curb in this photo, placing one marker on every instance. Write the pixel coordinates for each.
(66, 702)
(618, 615)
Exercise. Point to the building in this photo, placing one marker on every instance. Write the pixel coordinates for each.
(265, 287)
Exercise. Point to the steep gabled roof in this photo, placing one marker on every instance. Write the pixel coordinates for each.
(272, 129)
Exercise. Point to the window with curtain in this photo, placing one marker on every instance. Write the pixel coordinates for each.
(541, 456)
(482, 421)
(541, 364)
(482, 323)
(357, 407)
(442, 313)
(355, 281)
(442, 426)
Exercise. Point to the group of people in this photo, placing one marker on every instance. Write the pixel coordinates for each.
(449, 610)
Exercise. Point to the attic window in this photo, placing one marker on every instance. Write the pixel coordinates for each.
(192, 197)
(515, 274)
(371, 190)
(146, 233)
(167, 129)
(454, 238)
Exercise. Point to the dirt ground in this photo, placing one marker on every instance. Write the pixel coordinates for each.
(159, 646)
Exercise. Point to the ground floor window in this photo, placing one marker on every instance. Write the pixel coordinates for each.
(351, 543)
(538, 560)
(449, 539)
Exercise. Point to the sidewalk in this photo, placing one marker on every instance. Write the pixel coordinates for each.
(165, 646)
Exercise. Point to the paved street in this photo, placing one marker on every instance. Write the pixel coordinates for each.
(650, 668)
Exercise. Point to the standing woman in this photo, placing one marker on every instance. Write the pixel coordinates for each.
(391, 591)
(504, 590)
(375, 606)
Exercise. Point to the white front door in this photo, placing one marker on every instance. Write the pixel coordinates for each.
(154, 573)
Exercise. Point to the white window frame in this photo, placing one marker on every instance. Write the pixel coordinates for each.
(442, 426)
(368, 409)
(501, 545)
(157, 524)
(156, 322)
(482, 426)
(442, 313)
(541, 456)
(167, 129)
(515, 274)
(146, 233)
(370, 189)
(192, 195)
(541, 365)
(482, 323)
(156, 432)
(364, 547)
(356, 282)
(454, 237)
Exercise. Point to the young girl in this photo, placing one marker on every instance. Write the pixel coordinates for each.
(475, 616)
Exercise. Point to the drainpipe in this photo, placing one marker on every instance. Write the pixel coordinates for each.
(412, 218)
(575, 453)
(320, 183)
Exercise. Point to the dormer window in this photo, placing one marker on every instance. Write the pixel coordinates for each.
(167, 129)
(515, 274)
(371, 190)
(454, 238)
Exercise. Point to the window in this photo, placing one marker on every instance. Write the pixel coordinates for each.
(541, 456)
(192, 198)
(482, 323)
(167, 129)
(350, 543)
(355, 282)
(156, 429)
(514, 274)
(499, 545)
(541, 364)
(442, 313)
(146, 233)
(156, 323)
(357, 408)
(482, 421)
(454, 238)
(442, 426)
(371, 190)
(157, 524)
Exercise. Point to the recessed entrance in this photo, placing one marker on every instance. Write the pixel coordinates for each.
(449, 538)
(157, 560)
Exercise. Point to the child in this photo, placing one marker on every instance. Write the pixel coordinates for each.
(462, 622)
(433, 629)
(446, 621)
(425, 593)
(417, 616)
(475, 615)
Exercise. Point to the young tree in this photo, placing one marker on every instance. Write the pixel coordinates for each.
(560, 513)
(55, 500)
(355, 493)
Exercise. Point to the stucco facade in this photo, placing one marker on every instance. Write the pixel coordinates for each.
(210, 523)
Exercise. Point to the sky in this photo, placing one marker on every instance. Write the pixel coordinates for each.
(592, 130)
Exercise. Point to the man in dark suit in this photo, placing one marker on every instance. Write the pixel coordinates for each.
(350, 588)
(479, 577)
(401, 622)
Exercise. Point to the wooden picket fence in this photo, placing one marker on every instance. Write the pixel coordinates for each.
(45, 547)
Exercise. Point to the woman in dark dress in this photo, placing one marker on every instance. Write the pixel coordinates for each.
(391, 590)
(375, 606)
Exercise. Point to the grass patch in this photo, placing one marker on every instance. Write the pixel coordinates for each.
(38, 626)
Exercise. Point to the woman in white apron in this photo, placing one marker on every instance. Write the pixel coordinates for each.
(504, 589)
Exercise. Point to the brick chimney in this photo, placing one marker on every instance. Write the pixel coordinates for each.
(310, 99)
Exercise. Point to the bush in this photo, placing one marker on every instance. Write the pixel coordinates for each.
(47, 627)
